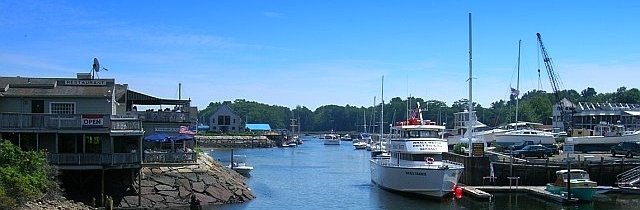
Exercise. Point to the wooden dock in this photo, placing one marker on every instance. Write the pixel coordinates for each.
(482, 192)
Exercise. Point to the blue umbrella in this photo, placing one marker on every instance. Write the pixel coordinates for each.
(157, 137)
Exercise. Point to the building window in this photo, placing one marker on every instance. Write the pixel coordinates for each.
(233, 128)
(234, 121)
(62, 108)
(220, 120)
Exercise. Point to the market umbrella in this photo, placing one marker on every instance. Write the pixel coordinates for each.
(157, 137)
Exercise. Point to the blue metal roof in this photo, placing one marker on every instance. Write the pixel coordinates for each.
(258, 127)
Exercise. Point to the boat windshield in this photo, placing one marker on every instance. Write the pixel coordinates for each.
(576, 175)
(420, 134)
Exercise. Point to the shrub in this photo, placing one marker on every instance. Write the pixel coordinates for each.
(459, 149)
(24, 175)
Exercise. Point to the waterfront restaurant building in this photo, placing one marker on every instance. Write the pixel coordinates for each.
(84, 123)
(586, 115)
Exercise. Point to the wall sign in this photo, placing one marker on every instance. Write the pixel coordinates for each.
(85, 82)
(92, 120)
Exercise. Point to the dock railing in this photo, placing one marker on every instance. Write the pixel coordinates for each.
(39, 121)
(93, 158)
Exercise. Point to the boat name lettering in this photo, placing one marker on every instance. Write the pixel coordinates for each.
(426, 145)
(416, 173)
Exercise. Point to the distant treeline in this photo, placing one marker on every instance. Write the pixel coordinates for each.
(535, 106)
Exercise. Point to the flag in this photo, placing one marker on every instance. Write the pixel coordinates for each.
(515, 92)
(414, 113)
(185, 130)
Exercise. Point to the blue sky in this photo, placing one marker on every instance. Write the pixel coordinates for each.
(314, 53)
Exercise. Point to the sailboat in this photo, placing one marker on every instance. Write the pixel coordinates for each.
(361, 143)
(519, 136)
(378, 149)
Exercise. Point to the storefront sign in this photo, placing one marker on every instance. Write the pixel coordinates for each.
(477, 149)
(92, 120)
(85, 82)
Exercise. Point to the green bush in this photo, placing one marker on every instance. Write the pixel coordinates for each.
(24, 175)
(458, 149)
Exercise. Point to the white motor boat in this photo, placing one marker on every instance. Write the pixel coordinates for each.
(415, 164)
(603, 137)
(239, 164)
(360, 144)
(331, 139)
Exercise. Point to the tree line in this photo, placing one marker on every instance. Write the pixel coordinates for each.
(534, 106)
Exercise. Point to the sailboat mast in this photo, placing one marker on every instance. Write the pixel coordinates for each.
(470, 126)
(518, 85)
(382, 112)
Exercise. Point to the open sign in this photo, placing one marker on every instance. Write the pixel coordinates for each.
(92, 121)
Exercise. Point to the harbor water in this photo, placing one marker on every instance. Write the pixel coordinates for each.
(318, 176)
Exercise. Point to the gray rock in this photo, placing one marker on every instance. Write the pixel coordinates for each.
(191, 176)
(220, 193)
(205, 199)
(148, 183)
(198, 187)
(169, 193)
(155, 198)
(183, 183)
(147, 190)
(164, 187)
(164, 180)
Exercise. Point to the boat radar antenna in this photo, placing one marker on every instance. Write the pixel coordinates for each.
(96, 68)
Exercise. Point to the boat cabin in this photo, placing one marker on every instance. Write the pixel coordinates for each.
(576, 174)
(417, 142)
(607, 129)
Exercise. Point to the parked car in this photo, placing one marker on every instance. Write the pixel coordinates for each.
(628, 149)
(539, 151)
(554, 148)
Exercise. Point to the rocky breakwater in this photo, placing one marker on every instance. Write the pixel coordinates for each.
(234, 141)
(210, 182)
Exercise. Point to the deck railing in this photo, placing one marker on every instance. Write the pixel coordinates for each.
(169, 157)
(33, 121)
(93, 159)
(152, 116)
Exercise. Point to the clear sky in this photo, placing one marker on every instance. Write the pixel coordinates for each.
(314, 53)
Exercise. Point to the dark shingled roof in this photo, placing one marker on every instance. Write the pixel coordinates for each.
(42, 87)
(47, 87)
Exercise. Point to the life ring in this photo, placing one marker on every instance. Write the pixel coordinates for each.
(429, 160)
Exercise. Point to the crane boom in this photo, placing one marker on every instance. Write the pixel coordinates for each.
(556, 83)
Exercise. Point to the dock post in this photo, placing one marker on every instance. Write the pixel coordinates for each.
(139, 187)
(102, 187)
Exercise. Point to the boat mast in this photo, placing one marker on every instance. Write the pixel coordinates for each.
(518, 85)
(470, 126)
(382, 114)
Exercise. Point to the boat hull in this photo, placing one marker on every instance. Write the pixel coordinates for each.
(430, 181)
(601, 143)
(331, 141)
(581, 193)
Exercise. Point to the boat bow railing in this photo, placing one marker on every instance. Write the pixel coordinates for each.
(629, 177)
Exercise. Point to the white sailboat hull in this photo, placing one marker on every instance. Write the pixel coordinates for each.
(432, 180)
(510, 139)
(489, 136)
(606, 139)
